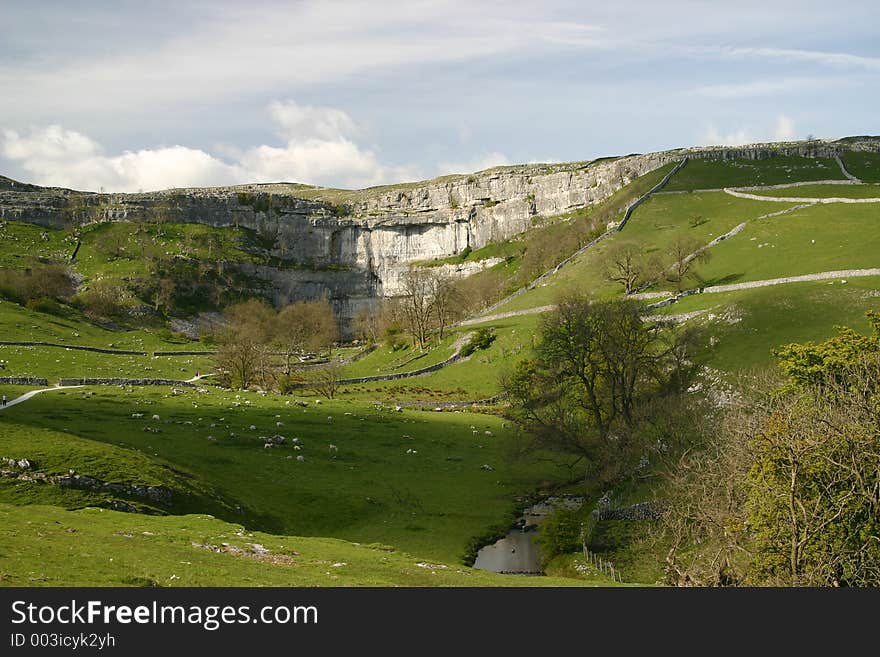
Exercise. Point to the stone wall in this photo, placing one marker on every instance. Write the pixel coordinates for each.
(118, 381)
(23, 381)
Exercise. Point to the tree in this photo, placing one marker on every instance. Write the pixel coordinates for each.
(417, 304)
(813, 491)
(244, 356)
(686, 253)
(816, 364)
(788, 491)
(370, 322)
(445, 300)
(304, 326)
(326, 379)
(597, 367)
(627, 264)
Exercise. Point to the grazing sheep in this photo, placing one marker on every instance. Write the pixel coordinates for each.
(211, 439)
(156, 418)
(486, 466)
(333, 448)
(297, 447)
(279, 424)
(488, 433)
(329, 418)
(398, 409)
(300, 458)
(268, 445)
(137, 415)
(475, 432)
(252, 427)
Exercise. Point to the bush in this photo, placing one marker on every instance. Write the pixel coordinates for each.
(480, 340)
(46, 305)
(561, 533)
(47, 281)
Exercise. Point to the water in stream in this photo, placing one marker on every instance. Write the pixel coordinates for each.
(517, 552)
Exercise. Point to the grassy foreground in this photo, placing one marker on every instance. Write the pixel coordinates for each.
(47, 546)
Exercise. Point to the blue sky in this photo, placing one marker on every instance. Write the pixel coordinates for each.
(146, 95)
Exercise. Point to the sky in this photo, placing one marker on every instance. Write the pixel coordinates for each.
(124, 95)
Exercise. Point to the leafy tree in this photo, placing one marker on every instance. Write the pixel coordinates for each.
(244, 352)
(816, 364)
(597, 368)
(787, 492)
(304, 326)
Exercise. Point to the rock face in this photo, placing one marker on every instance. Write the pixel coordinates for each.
(355, 246)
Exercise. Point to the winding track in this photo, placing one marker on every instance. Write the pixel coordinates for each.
(23, 398)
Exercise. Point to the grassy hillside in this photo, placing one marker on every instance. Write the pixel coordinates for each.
(430, 502)
(825, 191)
(396, 484)
(863, 165)
(46, 546)
(777, 170)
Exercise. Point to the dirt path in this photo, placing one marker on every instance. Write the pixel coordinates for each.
(32, 393)
(798, 199)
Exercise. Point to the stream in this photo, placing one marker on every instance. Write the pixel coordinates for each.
(517, 553)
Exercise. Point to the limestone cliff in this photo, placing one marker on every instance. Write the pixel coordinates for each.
(356, 244)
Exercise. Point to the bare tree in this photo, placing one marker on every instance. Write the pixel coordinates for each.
(304, 326)
(327, 379)
(686, 254)
(417, 304)
(626, 263)
(445, 300)
(244, 355)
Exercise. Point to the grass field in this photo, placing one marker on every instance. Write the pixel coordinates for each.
(863, 165)
(824, 191)
(714, 174)
(742, 328)
(47, 546)
(656, 224)
(810, 240)
(430, 502)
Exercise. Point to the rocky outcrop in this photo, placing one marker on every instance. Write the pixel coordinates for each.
(354, 246)
(25, 470)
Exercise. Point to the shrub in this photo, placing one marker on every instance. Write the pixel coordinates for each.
(560, 533)
(46, 305)
(480, 340)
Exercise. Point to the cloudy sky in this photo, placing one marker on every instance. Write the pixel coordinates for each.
(128, 95)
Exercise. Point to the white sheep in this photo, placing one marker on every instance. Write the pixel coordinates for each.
(300, 458)
(279, 424)
(297, 447)
(333, 448)
(156, 418)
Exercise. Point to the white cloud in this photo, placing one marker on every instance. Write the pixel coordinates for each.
(759, 88)
(480, 163)
(307, 122)
(784, 129)
(317, 150)
(712, 137)
(838, 59)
